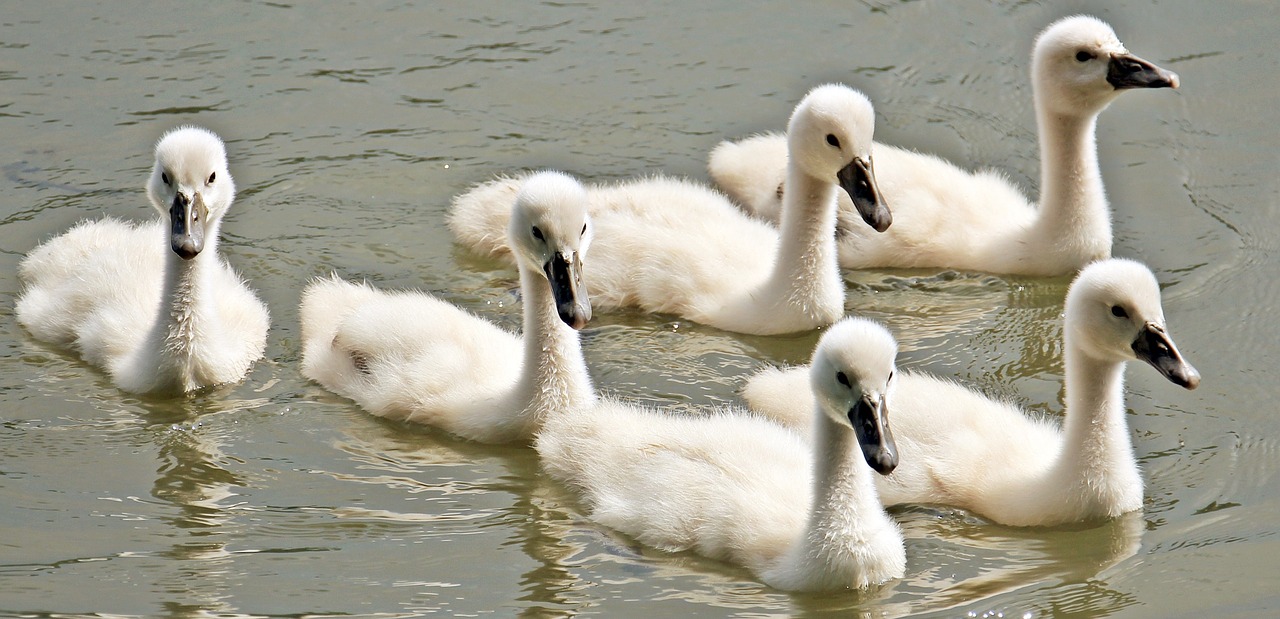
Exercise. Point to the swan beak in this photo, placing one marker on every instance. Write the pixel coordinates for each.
(1126, 71)
(859, 181)
(565, 275)
(1156, 347)
(186, 216)
(870, 419)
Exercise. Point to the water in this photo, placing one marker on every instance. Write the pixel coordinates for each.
(350, 126)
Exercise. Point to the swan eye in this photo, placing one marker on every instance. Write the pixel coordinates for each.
(833, 140)
(1083, 56)
(843, 379)
(584, 230)
(1119, 312)
(537, 234)
(212, 175)
(164, 176)
(891, 375)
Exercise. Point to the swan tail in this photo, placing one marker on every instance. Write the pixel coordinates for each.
(781, 395)
(478, 218)
(751, 172)
(326, 303)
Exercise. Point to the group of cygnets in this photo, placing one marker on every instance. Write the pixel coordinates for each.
(793, 487)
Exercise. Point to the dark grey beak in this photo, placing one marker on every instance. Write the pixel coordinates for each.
(1126, 71)
(565, 275)
(1155, 346)
(187, 217)
(859, 181)
(870, 421)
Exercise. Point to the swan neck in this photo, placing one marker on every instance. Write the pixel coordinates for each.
(187, 307)
(1072, 196)
(187, 313)
(1097, 442)
(806, 266)
(555, 374)
(844, 493)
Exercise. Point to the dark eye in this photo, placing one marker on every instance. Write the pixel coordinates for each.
(1119, 312)
(584, 230)
(1083, 56)
(212, 175)
(891, 374)
(164, 177)
(833, 140)
(842, 379)
(537, 234)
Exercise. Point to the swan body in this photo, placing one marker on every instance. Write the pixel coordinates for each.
(949, 217)
(743, 489)
(962, 449)
(152, 303)
(672, 246)
(411, 357)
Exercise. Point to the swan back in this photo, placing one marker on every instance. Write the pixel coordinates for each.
(1079, 66)
(1114, 314)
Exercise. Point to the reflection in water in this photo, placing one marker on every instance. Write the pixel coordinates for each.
(412, 460)
(193, 478)
(955, 562)
(980, 561)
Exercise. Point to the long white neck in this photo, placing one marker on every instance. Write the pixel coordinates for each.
(555, 377)
(843, 489)
(848, 540)
(1096, 472)
(1073, 212)
(187, 313)
(805, 274)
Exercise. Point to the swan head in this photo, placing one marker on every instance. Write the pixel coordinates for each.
(829, 138)
(851, 374)
(549, 234)
(191, 187)
(1079, 66)
(1113, 313)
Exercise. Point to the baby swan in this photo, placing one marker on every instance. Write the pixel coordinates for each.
(409, 356)
(948, 217)
(962, 449)
(674, 247)
(152, 303)
(742, 489)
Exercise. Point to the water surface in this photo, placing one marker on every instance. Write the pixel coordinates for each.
(350, 126)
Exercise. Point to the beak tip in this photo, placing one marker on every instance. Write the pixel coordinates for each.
(186, 251)
(878, 216)
(885, 464)
(883, 223)
(575, 319)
